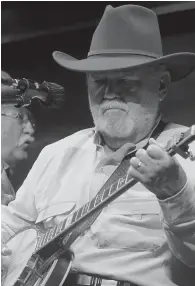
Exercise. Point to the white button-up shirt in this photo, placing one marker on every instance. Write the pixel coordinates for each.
(135, 238)
(7, 190)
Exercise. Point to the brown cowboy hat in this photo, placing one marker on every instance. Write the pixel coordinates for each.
(127, 37)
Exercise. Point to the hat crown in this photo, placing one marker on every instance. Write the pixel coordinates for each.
(129, 29)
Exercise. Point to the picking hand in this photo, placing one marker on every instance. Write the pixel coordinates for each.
(5, 252)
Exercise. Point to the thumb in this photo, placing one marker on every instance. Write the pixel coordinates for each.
(153, 141)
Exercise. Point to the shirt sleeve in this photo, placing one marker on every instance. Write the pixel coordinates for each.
(22, 212)
(7, 191)
(178, 218)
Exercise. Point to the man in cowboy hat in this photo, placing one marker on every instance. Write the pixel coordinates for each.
(17, 133)
(128, 78)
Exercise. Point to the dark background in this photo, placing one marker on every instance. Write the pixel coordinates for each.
(31, 31)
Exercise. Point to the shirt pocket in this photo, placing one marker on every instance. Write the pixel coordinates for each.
(131, 225)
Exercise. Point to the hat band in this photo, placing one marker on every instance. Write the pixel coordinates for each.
(124, 52)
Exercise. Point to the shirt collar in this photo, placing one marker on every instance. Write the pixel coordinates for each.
(4, 165)
(145, 140)
(97, 139)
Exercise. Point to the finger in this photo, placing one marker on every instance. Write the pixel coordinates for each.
(153, 141)
(156, 152)
(142, 155)
(135, 173)
(138, 165)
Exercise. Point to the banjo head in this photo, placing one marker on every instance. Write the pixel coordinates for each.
(22, 245)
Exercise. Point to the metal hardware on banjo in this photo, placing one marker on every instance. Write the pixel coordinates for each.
(47, 258)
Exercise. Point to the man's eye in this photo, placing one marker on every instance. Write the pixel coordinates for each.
(131, 85)
(21, 118)
(124, 80)
(99, 81)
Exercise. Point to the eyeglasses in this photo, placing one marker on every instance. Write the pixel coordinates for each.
(22, 118)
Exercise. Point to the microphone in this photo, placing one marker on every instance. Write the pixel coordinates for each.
(22, 91)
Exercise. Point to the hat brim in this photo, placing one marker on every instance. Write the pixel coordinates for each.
(179, 64)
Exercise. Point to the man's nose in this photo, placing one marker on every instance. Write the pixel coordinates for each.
(29, 128)
(112, 90)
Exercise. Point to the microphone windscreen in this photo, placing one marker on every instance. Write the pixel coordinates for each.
(56, 94)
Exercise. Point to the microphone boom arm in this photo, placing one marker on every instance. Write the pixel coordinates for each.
(22, 92)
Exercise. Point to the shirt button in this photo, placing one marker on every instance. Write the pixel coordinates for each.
(137, 216)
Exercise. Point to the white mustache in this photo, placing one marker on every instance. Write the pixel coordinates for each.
(113, 104)
(27, 140)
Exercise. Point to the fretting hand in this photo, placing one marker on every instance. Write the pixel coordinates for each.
(157, 171)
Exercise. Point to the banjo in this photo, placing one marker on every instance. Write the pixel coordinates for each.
(42, 258)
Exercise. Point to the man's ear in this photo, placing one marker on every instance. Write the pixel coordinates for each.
(164, 84)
